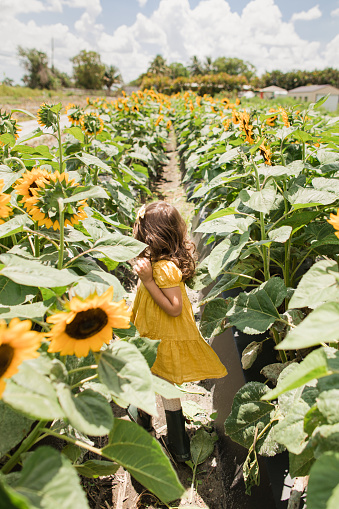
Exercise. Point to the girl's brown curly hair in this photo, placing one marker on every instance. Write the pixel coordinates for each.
(165, 232)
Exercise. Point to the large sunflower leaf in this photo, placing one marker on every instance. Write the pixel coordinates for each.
(316, 286)
(87, 411)
(32, 393)
(15, 225)
(315, 365)
(249, 412)
(142, 456)
(13, 294)
(48, 480)
(33, 273)
(319, 326)
(213, 319)
(119, 248)
(225, 253)
(256, 311)
(125, 372)
(323, 485)
(13, 428)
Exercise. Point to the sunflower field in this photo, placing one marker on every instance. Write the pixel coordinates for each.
(265, 186)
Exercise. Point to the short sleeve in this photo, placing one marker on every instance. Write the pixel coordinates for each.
(166, 274)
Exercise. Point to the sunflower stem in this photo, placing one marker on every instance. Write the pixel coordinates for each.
(62, 232)
(59, 143)
(83, 381)
(36, 241)
(82, 368)
(75, 442)
(282, 353)
(17, 160)
(25, 446)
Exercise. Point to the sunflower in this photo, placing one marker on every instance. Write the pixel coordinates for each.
(47, 116)
(91, 124)
(284, 116)
(168, 124)
(43, 206)
(30, 181)
(244, 125)
(8, 125)
(266, 153)
(334, 221)
(159, 119)
(74, 113)
(5, 209)
(87, 324)
(17, 343)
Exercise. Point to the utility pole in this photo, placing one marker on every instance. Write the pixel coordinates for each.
(52, 59)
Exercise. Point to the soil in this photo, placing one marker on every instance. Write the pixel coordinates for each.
(121, 491)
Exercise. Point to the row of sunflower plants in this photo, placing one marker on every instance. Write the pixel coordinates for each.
(68, 353)
(264, 183)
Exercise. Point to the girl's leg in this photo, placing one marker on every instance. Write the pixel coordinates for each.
(177, 438)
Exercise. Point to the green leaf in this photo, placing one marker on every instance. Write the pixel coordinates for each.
(220, 213)
(290, 430)
(10, 499)
(213, 319)
(32, 393)
(13, 428)
(323, 485)
(306, 197)
(89, 159)
(328, 404)
(148, 347)
(13, 294)
(125, 372)
(256, 311)
(302, 136)
(35, 311)
(87, 411)
(313, 366)
(202, 446)
(119, 248)
(250, 353)
(249, 412)
(134, 449)
(281, 234)
(225, 253)
(33, 273)
(300, 464)
(228, 156)
(320, 101)
(76, 132)
(317, 286)
(165, 389)
(100, 281)
(25, 112)
(86, 192)
(226, 224)
(262, 201)
(251, 471)
(49, 480)
(14, 225)
(318, 327)
(95, 468)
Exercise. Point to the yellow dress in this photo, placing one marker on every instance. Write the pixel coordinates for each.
(183, 355)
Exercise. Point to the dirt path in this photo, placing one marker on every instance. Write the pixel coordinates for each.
(208, 492)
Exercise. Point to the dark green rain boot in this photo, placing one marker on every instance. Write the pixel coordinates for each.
(177, 439)
(140, 417)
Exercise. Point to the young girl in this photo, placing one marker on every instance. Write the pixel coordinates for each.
(162, 311)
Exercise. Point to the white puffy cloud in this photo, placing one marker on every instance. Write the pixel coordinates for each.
(175, 30)
(335, 12)
(313, 13)
(142, 3)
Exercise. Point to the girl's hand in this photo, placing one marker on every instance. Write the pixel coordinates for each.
(144, 270)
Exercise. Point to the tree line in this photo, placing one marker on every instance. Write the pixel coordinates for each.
(207, 75)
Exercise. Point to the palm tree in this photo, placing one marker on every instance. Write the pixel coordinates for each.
(195, 66)
(158, 66)
(112, 75)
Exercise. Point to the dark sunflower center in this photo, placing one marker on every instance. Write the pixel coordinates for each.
(87, 324)
(6, 356)
(33, 185)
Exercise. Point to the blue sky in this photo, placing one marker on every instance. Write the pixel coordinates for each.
(271, 34)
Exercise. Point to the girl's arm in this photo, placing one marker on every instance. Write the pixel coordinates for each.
(169, 299)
